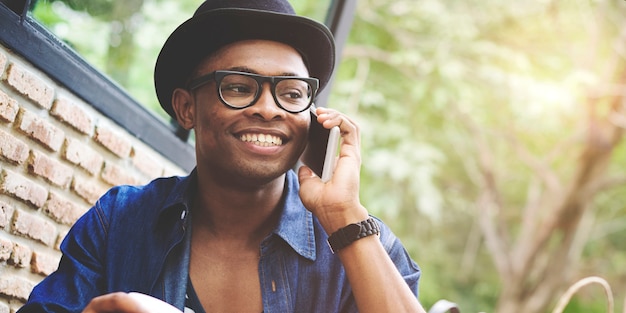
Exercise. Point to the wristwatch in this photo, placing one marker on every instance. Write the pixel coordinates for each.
(351, 233)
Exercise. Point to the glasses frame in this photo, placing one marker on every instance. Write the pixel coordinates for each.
(218, 76)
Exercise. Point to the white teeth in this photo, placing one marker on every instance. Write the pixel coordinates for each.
(264, 140)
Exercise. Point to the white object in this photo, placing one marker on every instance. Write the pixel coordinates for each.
(443, 306)
(330, 159)
(152, 304)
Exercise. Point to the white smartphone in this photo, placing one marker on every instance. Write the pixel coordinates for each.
(330, 157)
(321, 151)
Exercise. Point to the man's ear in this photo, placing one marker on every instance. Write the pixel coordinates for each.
(184, 108)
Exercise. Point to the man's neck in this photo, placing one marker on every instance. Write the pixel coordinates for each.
(237, 214)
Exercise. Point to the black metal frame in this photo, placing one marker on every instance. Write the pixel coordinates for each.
(44, 50)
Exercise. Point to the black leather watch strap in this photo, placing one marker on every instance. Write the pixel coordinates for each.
(352, 232)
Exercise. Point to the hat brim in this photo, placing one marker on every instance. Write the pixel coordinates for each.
(205, 33)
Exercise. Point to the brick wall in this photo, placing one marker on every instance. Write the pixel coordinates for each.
(57, 156)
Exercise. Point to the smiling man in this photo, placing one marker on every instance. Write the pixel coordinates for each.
(242, 232)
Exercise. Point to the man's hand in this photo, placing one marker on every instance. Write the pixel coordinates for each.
(336, 202)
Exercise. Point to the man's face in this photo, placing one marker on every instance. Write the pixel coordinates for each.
(228, 144)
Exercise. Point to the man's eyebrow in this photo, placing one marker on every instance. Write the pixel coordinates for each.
(246, 69)
(243, 69)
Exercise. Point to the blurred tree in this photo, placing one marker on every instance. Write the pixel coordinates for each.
(511, 116)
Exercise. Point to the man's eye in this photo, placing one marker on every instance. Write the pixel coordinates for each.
(290, 94)
(237, 89)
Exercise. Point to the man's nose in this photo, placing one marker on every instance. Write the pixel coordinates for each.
(266, 105)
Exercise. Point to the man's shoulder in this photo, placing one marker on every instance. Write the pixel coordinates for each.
(156, 187)
(125, 200)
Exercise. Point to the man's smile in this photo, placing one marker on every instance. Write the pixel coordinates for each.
(264, 140)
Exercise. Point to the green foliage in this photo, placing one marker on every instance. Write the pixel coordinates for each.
(152, 25)
(93, 8)
(44, 13)
(416, 71)
(313, 9)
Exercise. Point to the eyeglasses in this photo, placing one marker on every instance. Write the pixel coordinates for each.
(240, 90)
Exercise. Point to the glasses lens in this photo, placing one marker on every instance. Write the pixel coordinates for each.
(293, 94)
(238, 91)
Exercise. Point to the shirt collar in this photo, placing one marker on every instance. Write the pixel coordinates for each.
(295, 226)
(178, 202)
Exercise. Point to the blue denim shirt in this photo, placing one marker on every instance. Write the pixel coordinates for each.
(138, 238)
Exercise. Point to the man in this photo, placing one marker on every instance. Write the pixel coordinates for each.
(243, 232)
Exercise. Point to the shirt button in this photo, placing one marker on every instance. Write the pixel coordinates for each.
(183, 214)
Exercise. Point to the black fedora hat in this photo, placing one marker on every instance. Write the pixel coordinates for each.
(217, 23)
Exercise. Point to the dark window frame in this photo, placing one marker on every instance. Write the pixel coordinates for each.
(29, 39)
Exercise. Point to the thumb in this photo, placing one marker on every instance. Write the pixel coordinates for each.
(310, 186)
(305, 173)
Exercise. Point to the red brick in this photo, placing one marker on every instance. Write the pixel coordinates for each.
(6, 248)
(113, 141)
(23, 188)
(52, 170)
(116, 175)
(8, 108)
(146, 164)
(6, 214)
(13, 149)
(63, 210)
(34, 227)
(40, 130)
(82, 155)
(70, 113)
(87, 190)
(20, 255)
(44, 264)
(30, 85)
(15, 286)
